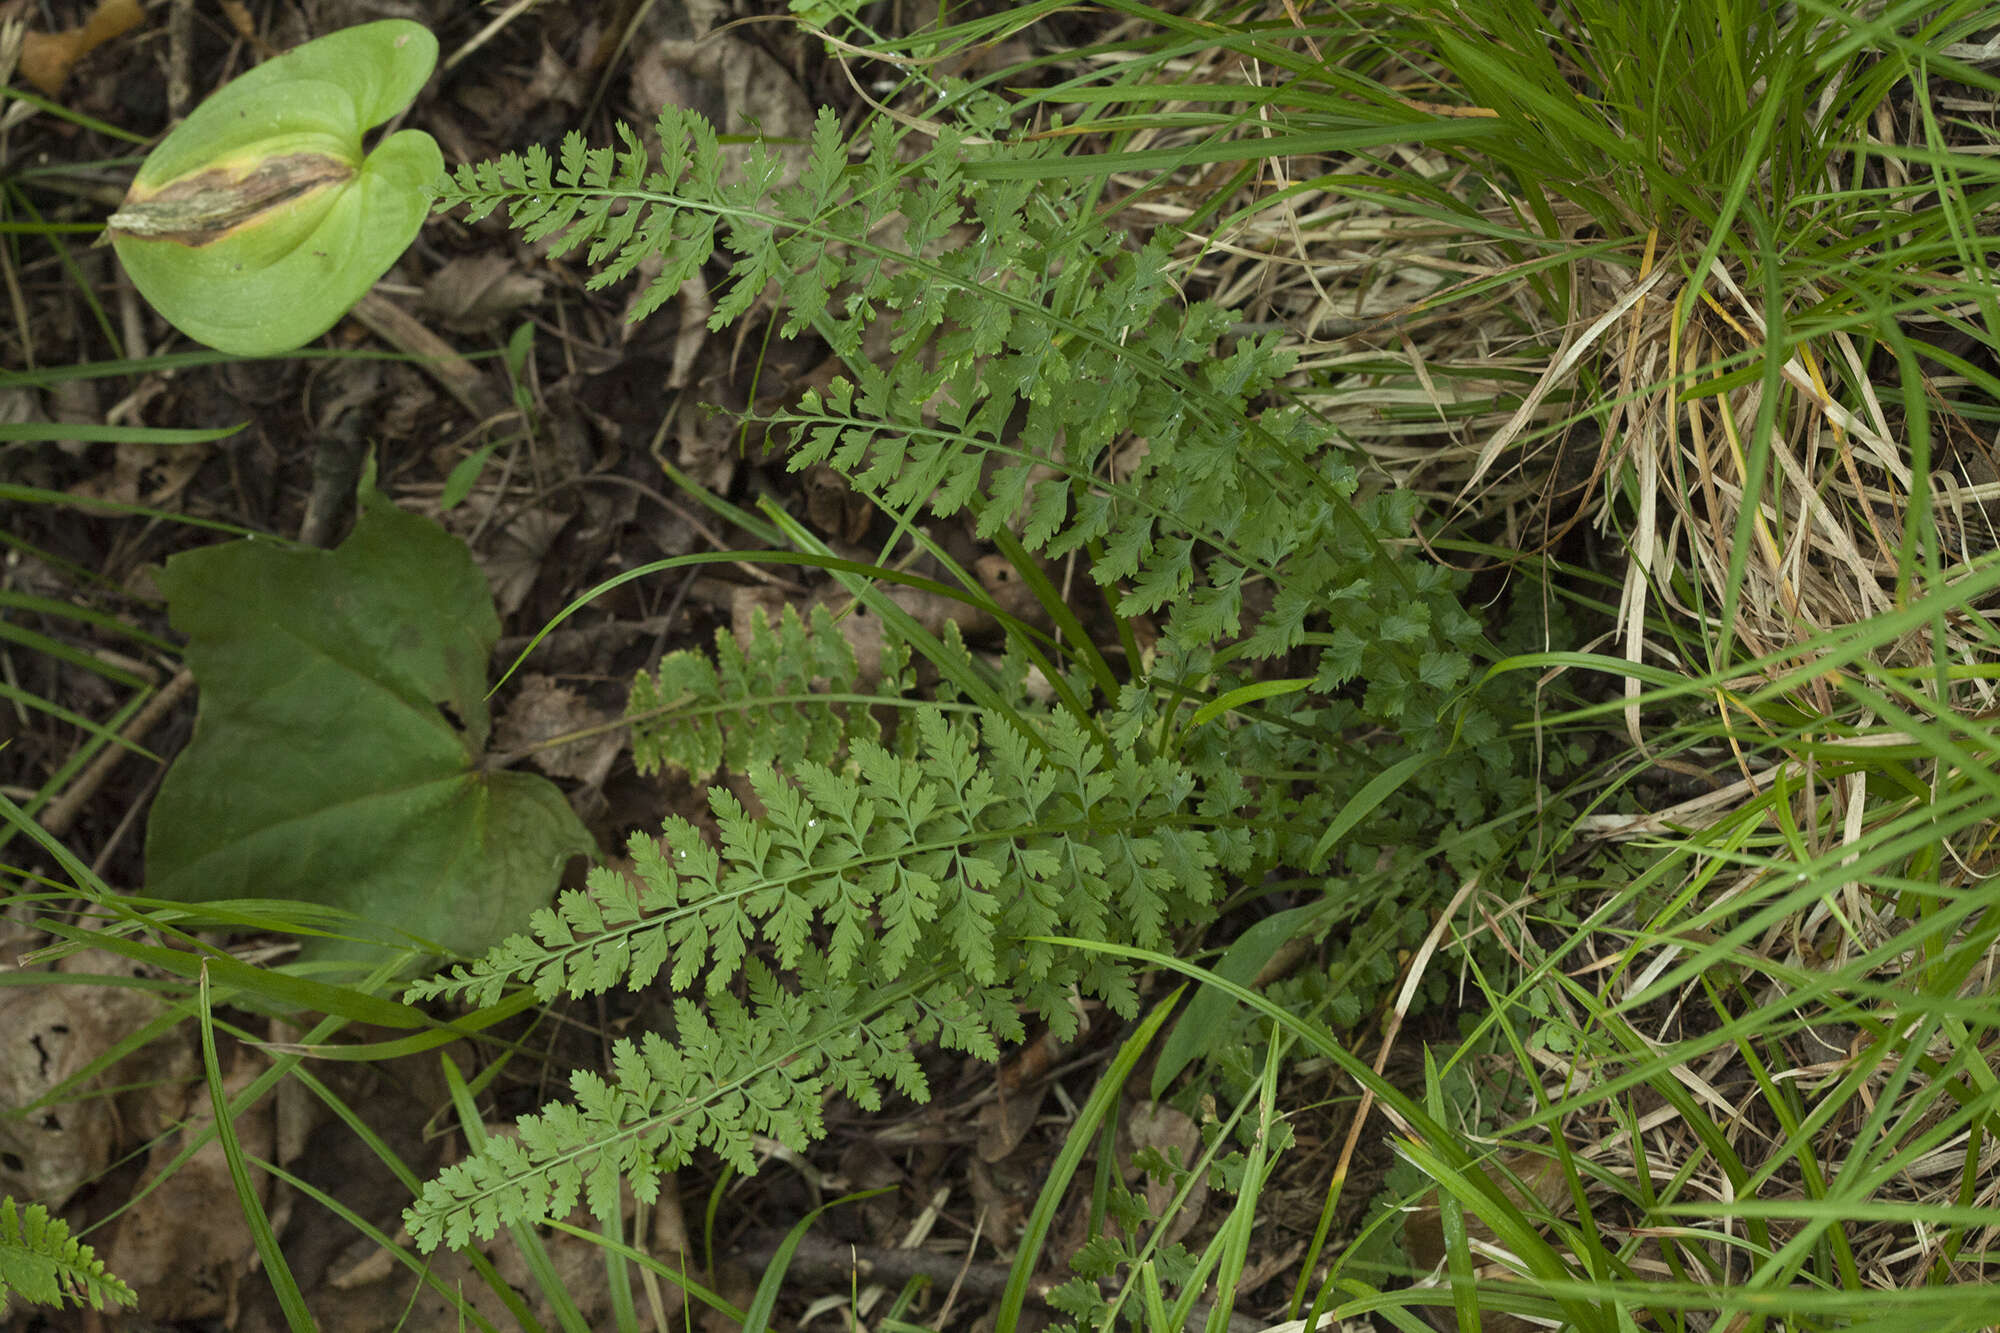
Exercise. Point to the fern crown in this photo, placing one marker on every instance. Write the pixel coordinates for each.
(897, 887)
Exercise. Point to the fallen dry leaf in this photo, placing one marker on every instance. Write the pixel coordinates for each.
(932, 610)
(152, 474)
(366, 1295)
(19, 405)
(541, 710)
(738, 86)
(47, 57)
(1423, 1228)
(708, 445)
(474, 292)
(510, 554)
(1024, 1078)
(1006, 1120)
(1174, 1135)
(691, 334)
(1003, 582)
(833, 506)
(48, 1034)
(185, 1244)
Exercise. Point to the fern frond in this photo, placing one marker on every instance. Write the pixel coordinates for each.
(41, 1262)
(911, 877)
(719, 1085)
(1029, 350)
(735, 1071)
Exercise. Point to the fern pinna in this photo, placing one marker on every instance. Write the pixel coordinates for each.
(41, 1262)
(1045, 378)
(788, 695)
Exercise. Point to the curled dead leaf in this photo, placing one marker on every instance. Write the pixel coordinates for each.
(143, 473)
(185, 1245)
(1173, 1134)
(48, 57)
(1006, 1120)
(738, 85)
(1423, 1227)
(474, 292)
(543, 710)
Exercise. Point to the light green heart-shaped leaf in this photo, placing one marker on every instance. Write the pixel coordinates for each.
(259, 221)
(338, 754)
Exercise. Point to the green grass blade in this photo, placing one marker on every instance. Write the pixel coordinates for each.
(276, 1270)
(1076, 1145)
(533, 1253)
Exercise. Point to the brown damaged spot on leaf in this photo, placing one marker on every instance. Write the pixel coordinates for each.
(206, 207)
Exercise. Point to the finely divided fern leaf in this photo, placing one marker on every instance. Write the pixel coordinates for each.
(888, 896)
(1040, 373)
(975, 840)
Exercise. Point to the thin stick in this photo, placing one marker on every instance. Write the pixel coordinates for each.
(434, 356)
(1411, 978)
(62, 811)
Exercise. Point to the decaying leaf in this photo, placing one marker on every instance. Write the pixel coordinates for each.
(47, 57)
(542, 709)
(48, 1035)
(142, 473)
(1173, 1134)
(708, 445)
(1423, 1229)
(185, 1244)
(742, 88)
(1005, 1121)
(474, 292)
(835, 507)
(932, 610)
(511, 554)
